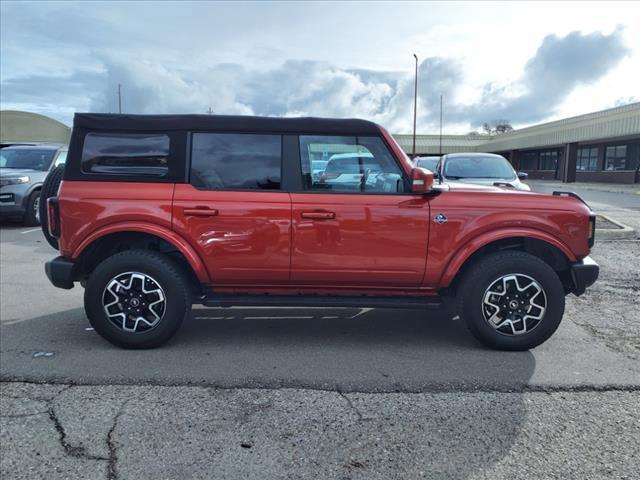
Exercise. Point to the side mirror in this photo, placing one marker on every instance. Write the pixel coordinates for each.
(523, 176)
(421, 180)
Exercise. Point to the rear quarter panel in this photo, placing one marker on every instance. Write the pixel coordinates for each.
(87, 207)
(477, 218)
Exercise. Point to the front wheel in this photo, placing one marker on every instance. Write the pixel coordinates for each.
(32, 213)
(511, 300)
(137, 299)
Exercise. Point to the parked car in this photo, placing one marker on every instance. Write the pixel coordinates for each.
(348, 168)
(481, 168)
(23, 169)
(155, 213)
(430, 163)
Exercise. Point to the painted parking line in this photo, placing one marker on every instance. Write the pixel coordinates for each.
(31, 230)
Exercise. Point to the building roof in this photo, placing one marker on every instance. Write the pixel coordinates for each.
(612, 123)
(430, 144)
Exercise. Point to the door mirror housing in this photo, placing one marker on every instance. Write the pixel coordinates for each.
(523, 176)
(421, 180)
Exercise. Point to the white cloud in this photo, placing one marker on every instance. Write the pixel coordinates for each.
(63, 57)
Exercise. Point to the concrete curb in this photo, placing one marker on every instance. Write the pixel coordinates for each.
(625, 232)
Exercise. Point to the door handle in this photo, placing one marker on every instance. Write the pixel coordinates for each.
(200, 212)
(319, 215)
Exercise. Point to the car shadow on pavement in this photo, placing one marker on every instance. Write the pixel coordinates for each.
(345, 349)
(462, 389)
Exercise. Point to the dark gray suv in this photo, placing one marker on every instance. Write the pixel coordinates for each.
(23, 169)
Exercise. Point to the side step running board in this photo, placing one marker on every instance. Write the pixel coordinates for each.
(329, 301)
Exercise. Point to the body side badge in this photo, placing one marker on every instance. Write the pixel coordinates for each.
(440, 218)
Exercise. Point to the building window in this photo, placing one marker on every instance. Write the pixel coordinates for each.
(587, 159)
(616, 158)
(529, 161)
(549, 160)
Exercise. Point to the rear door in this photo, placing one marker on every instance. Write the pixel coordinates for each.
(367, 231)
(233, 211)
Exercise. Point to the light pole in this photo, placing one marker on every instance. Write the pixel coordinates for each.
(440, 125)
(415, 106)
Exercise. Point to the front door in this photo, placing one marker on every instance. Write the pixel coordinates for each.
(233, 212)
(354, 225)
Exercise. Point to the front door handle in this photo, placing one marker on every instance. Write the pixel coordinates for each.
(200, 212)
(319, 215)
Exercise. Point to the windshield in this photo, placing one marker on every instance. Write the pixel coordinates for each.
(23, 158)
(428, 163)
(318, 165)
(499, 168)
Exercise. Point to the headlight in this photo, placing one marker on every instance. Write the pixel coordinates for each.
(14, 180)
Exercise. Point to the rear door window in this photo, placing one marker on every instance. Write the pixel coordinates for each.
(143, 154)
(236, 161)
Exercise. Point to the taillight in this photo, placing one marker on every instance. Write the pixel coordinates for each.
(53, 221)
(592, 230)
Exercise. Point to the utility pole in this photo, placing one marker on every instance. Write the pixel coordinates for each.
(440, 125)
(119, 98)
(415, 106)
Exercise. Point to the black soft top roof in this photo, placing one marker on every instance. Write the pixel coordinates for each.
(145, 123)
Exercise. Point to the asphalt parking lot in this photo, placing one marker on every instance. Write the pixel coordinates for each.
(319, 393)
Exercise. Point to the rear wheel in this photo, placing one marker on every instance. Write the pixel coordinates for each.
(511, 301)
(137, 299)
(49, 189)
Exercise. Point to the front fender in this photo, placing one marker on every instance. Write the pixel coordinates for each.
(472, 246)
(27, 193)
(161, 232)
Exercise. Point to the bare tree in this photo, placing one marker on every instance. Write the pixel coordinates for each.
(495, 127)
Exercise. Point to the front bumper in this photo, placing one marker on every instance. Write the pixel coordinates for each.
(13, 199)
(60, 272)
(584, 274)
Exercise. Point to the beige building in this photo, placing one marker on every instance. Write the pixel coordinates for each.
(596, 147)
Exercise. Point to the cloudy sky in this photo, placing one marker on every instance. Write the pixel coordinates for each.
(525, 63)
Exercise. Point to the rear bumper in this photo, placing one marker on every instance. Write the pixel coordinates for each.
(584, 274)
(60, 272)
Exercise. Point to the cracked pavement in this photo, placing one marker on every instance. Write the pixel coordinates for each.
(345, 394)
(203, 432)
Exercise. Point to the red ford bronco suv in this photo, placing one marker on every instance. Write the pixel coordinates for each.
(154, 213)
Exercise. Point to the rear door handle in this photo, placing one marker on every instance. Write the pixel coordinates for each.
(319, 215)
(200, 212)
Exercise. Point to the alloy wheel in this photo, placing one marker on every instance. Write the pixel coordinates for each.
(134, 302)
(514, 304)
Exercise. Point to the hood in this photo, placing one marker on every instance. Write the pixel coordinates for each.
(19, 172)
(477, 187)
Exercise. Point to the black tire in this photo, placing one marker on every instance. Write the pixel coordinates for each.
(486, 273)
(30, 218)
(49, 189)
(163, 271)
